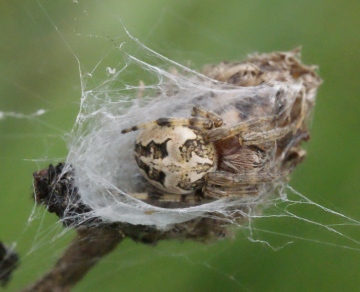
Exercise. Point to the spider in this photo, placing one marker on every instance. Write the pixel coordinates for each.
(201, 155)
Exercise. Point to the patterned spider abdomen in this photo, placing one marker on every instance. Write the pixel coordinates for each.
(175, 158)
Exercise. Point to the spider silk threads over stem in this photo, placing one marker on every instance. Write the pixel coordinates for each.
(89, 246)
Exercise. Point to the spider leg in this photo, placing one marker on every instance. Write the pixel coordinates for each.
(169, 200)
(222, 178)
(245, 191)
(222, 184)
(254, 138)
(247, 136)
(228, 131)
(199, 111)
(198, 122)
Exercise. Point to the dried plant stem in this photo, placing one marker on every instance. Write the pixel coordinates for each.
(55, 188)
(89, 246)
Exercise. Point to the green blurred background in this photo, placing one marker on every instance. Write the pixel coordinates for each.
(39, 70)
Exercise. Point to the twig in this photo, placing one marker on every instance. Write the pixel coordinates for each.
(54, 187)
(9, 261)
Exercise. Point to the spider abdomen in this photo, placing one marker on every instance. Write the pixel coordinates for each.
(175, 159)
